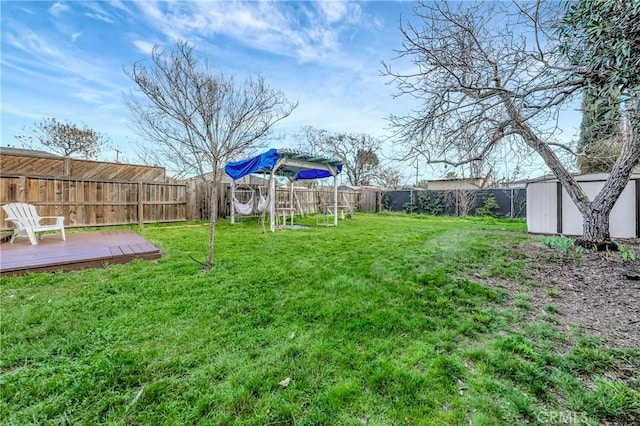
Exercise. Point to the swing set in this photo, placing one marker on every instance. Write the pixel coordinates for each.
(244, 202)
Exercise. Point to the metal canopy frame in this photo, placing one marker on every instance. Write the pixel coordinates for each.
(297, 166)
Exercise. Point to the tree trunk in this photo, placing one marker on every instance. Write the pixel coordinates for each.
(595, 230)
(595, 213)
(213, 216)
(596, 216)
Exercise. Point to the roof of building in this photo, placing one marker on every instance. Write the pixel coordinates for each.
(9, 150)
(587, 177)
(359, 188)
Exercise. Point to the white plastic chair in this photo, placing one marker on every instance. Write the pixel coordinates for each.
(28, 223)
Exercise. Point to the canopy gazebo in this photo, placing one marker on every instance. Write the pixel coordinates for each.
(288, 163)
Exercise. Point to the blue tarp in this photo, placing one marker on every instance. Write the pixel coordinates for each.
(261, 163)
(267, 160)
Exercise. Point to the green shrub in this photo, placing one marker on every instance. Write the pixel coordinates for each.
(626, 253)
(564, 244)
(430, 205)
(386, 202)
(409, 208)
(489, 208)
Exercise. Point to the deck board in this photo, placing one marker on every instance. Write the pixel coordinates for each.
(83, 250)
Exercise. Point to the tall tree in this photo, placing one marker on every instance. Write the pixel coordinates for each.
(200, 119)
(602, 39)
(478, 83)
(358, 152)
(599, 141)
(65, 138)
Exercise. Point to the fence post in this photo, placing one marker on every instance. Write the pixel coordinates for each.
(22, 189)
(637, 182)
(140, 205)
(335, 200)
(188, 197)
(559, 214)
(511, 203)
(232, 207)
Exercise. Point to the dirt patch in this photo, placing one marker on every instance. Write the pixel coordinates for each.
(599, 293)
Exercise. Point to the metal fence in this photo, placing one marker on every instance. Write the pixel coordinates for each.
(494, 202)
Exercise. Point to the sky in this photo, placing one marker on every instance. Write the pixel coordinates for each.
(65, 60)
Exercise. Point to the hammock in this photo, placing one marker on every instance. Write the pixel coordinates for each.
(245, 209)
(262, 202)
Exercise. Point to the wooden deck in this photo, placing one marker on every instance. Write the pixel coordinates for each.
(83, 250)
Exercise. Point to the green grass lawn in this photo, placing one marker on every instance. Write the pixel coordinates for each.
(374, 322)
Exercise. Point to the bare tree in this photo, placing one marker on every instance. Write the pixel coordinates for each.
(466, 200)
(389, 178)
(67, 139)
(481, 80)
(200, 119)
(358, 153)
(312, 141)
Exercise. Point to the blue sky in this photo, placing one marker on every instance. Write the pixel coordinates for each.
(66, 59)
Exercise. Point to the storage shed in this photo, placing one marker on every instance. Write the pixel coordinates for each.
(550, 210)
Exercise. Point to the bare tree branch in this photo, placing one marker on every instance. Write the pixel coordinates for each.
(485, 71)
(65, 138)
(199, 119)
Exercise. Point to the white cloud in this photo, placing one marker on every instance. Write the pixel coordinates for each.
(30, 42)
(20, 111)
(144, 47)
(90, 96)
(58, 8)
(97, 12)
(101, 17)
(302, 32)
(46, 60)
(337, 10)
(118, 4)
(333, 10)
(27, 10)
(303, 48)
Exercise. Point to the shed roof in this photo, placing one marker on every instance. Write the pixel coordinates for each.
(587, 177)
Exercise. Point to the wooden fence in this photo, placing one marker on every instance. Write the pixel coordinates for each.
(369, 202)
(85, 202)
(30, 164)
(306, 200)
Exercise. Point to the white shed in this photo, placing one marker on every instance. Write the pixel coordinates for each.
(551, 211)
